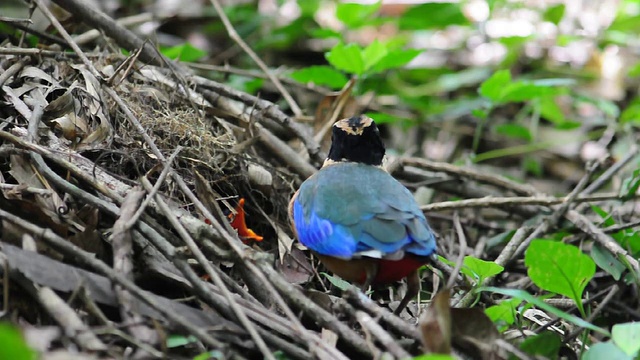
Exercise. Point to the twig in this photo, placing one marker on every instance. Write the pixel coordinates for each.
(602, 179)
(497, 181)
(193, 248)
(69, 320)
(89, 260)
(43, 52)
(267, 109)
(613, 291)
(25, 189)
(600, 237)
(321, 316)
(360, 300)
(235, 37)
(11, 71)
(163, 175)
(491, 201)
(370, 325)
(65, 35)
(257, 74)
(122, 243)
(463, 248)
(119, 33)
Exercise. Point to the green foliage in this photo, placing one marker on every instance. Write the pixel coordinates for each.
(627, 238)
(174, 341)
(246, 84)
(630, 185)
(546, 344)
(631, 115)
(432, 16)
(554, 13)
(320, 75)
(503, 314)
(606, 261)
(214, 354)
(185, 52)
(559, 268)
(374, 58)
(336, 281)
(355, 15)
(500, 88)
(538, 302)
(12, 345)
(605, 350)
(480, 269)
(627, 337)
(516, 131)
(434, 357)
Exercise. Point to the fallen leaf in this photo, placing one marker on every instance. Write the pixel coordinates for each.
(435, 325)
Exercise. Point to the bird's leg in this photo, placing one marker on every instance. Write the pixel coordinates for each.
(413, 288)
(371, 271)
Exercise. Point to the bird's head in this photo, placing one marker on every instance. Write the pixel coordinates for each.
(356, 139)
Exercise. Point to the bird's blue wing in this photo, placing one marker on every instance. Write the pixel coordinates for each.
(346, 209)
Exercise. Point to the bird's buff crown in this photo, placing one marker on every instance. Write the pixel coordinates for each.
(356, 139)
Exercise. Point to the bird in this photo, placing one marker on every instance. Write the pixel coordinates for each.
(362, 224)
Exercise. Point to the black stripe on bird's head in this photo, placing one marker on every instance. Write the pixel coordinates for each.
(356, 139)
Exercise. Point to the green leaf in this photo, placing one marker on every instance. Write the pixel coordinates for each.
(214, 354)
(396, 59)
(12, 345)
(605, 350)
(532, 165)
(325, 34)
(320, 75)
(432, 16)
(606, 261)
(525, 90)
(627, 337)
(550, 110)
(632, 113)
(336, 281)
(504, 312)
(373, 53)
(559, 268)
(174, 341)
(524, 295)
(634, 71)
(433, 357)
(546, 344)
(185, 52)
(308, 7)
(246, 84)
(354, 14)
(515, 131)
(493, 87)
(481, 268)
(554, 13)
(346, 58)
(630, 185)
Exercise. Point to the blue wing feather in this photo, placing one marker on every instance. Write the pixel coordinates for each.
(350, 208)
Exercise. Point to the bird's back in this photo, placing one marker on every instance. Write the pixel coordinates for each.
(350, 210)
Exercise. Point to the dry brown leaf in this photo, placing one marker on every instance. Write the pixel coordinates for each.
(435, 325)
(295, 267)
(474, 332)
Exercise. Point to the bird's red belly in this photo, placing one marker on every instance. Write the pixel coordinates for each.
(395, 270)
(355, 270)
